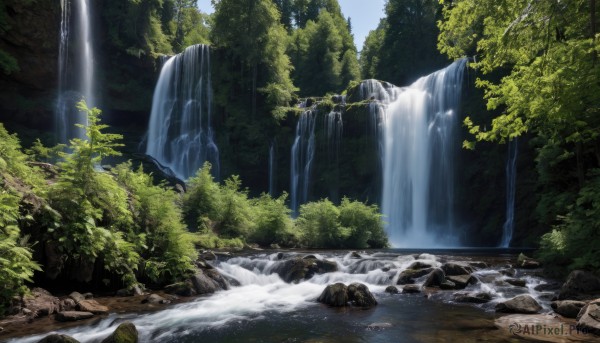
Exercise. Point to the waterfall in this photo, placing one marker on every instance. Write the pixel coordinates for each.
(334, 126)
(415, 127)
(75, 78)
(180, 135)
(272, 168)
(303, 153)
(511, 187)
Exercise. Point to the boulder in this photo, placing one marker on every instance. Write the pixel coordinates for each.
(125, 333)
(360, 296)
(56, 338)
(519, 304)
(297, 269)
(155, 299)
(435, 278)
(411, 289)
(454, 268)
(580, 285)
(41, 303)
(92, 306)
(516, 282)
(588, 319)
(544, 287)
(203, 284)
(447, 284)
(76, 296)
(527, 262)
(475, 298)
(462, 281)
(67, 304)
(208, 256)
(71, 316)
(218, 278)
(422, 265)
(128, 292)
(408, 276)
(184, 289)
(508, 272)
(355, 255)
(567, 308)
(392, 290)
(334, 295)
(478, 264)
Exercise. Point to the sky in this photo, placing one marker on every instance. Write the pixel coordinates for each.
(363, 14)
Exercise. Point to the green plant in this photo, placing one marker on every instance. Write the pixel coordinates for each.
(365, 225)
(272, 221)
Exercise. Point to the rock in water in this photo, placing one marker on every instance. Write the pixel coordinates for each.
(71, 316)
(408, 276)
(125, 333)
(588, 319)
(519, 304)
(475, 298)
(334, 295)
(411, 289)
(454, 268)
(435, 278)
(462, 281)
(568, 308)
(41, 303)
(359, 295)
(91, 306)
(185, 289)
(580, 285)
(392, 290)
(516, 282)
(56, 338)
(298, 269)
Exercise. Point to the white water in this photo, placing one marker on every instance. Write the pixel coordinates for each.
(75, 77)
(511, 188)
(415, 127)
(303, 154)
(263, 295)
(180, 135)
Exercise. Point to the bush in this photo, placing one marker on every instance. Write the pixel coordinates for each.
(364, 223)
(318, 224)
(272, 221)
(235, 217)
(202, 201)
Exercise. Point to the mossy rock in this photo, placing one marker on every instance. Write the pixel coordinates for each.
(125, 333)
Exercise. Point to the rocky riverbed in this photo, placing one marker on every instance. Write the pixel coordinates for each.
(375, 296)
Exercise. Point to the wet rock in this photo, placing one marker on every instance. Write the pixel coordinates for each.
(208, 256)
(588, 319)
(519, 304)
(454, 268)
(203, 284)
(308, 257)
(155, 299)
(218, 278)
(67, 304)
(422, 265)
(474, 298)
(462, 281)
(408, 276)
(360, 296)
(92, 306)
(41, 303)
(334, 295)
(125, 333)
(552, 286)
(447, 284)
(280, 255)
(580, 285)
(72, 316)
(516, 282)
(508, 272)
(297, 269)
(478, 264)
(184, 289)
(435, 278)
(568, 308)
(527, 262)
(392, 290)
(355, 255)
(56, 338)
(411, 289)
(128, 292)
(76, 296)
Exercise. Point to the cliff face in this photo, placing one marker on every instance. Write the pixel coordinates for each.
(32, 39)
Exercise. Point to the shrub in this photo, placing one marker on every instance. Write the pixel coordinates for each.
(202, 201)
(318, 224)
(364, 223)
(272, 221)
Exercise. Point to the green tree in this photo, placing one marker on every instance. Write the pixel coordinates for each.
(273, 224)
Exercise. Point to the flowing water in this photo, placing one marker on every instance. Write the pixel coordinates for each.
(264, 308)
(180, 135)
(75, 68)
(303, 154)
(511, 189)
(415, 126)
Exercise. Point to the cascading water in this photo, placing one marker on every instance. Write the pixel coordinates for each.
(334, 126)
(303, 153)
(75, 77)
(180, 135)
(415, 126)
(511, 187)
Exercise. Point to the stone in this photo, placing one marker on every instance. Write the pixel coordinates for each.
(360, 295)
(435, 278)
(567, 308)
(392, 290)
(520, 304)
(208, 256)
(41, 303)
(462, 281)
(218, 278)
(588, 319)
(422, 265)
(411, 289)
(408, 276)
(76, 296)
(580, 285)
(203, 284)
(71, 316)
(527, 262)
(516, 282)
(92, 306)
(454, 268)
(478, 264)
(544, 287)
(447, 284)
(155, 299)
(67, 304)
(474, 298)
(334, 295)
(184, 289)
(298, 269)
(355, 255)
(56, 338)
(125, 333)
(508, 272)
(88, 295)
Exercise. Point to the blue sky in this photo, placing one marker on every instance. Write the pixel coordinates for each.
(364, 15)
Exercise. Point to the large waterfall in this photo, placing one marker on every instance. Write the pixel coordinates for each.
(511, 188)
(303, 153)
(415, 126)
(180, 135)
(75, 68)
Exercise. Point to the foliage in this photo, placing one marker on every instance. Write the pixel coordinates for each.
(273, 224)
(212, 241)
(365, 224)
